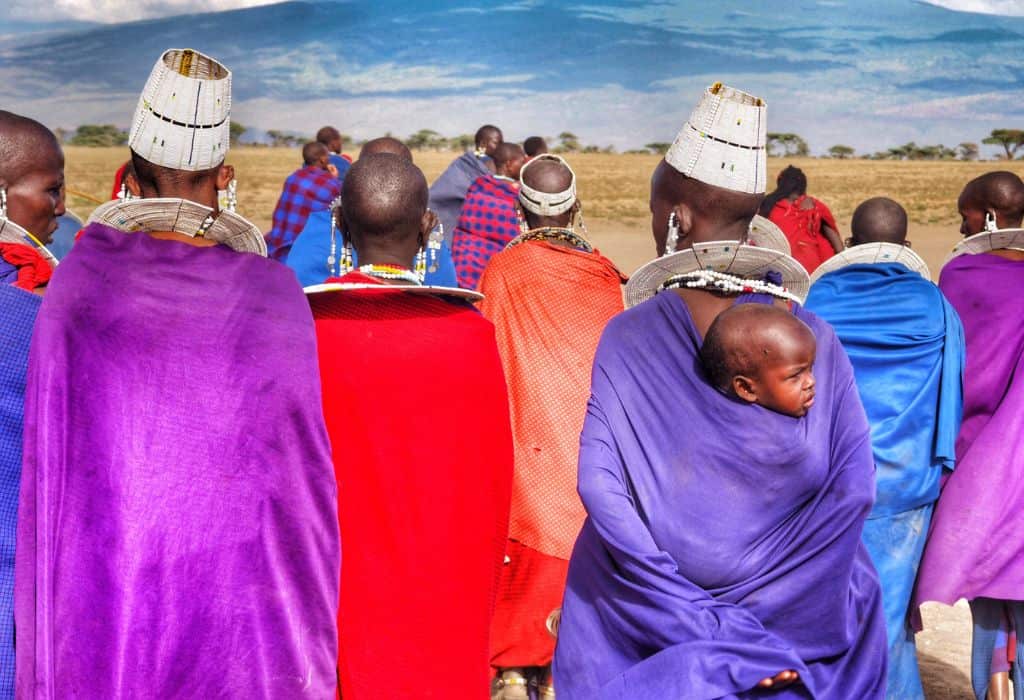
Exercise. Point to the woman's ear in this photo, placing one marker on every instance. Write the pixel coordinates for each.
(685, 217)
(744, 388)
(132, 183)
(225, 174)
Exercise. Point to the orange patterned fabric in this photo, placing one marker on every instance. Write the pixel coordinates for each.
(549, 305)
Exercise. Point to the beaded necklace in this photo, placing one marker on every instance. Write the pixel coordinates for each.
(727, 284)
(562, 234)
(390, 272)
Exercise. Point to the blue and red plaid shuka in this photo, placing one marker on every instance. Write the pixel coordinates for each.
(306, 190)
(487, 223)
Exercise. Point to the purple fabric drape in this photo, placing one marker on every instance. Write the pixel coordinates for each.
(722, 543)
(178, 533)
(975, 546)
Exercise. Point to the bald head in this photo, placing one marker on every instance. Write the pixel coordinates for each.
(535, 146)
(551, 177)
(384, 203)
(386, 144)
(315, 153)
(744, 337)
(487, 138)
(999, 195)
(32, 172)
(879, 220)
(704, 212)
(508, 159)
(329, 137)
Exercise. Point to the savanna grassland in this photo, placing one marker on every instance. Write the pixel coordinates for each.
(614, 190)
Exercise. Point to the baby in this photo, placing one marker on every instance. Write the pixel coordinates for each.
(762, 354)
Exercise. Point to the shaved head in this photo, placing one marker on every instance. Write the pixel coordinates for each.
(384, 202)
(551, 177)
(508, 159)
(704, 212)
(534, 146)
(488, 137)
(32, 172)
(314, 153)
(998, 194)
(330, 137)
(879, 220)
(386, 144)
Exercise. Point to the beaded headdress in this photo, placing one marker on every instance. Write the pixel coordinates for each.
(547, 203)
(872, 253)
(723, 142)
(183, 118)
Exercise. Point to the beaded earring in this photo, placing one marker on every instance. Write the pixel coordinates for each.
(420, 264)
(672, 238)
(434, 247)
(229, 197)
(3, 202)
(990, 223)
(578, 220)
(346, 249)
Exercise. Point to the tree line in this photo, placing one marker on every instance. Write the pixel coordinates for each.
(779, 144)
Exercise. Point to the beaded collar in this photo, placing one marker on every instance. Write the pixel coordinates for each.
(390, 272)
(727, 284)
(566, 235)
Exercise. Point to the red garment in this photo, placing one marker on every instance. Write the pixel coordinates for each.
(417, 412)
(803, 229)
(33, 269)
(549, 304)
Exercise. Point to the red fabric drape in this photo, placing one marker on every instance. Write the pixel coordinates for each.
(33, 269)
(803, 229)
(549, 304)
(417, 412)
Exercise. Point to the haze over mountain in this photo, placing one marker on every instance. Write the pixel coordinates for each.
(867, 73)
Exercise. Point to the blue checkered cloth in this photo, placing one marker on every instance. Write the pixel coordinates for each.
(18, 310)
(306, 190)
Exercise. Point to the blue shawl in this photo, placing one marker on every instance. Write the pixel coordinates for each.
(906, 345)
(449, 190)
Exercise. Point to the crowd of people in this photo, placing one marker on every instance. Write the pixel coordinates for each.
(427, 441)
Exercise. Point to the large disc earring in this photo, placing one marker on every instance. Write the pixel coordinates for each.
(672, 238)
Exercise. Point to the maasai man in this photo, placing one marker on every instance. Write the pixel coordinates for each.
(177, 534)
(31, 199)
(906, 345)
(310, 254)
(721, 554)
(488, 220)
(549, 295)
(974, 549)
(310, 188)
(424, 467)
(331, 138)
(449, 190)
(535, 146)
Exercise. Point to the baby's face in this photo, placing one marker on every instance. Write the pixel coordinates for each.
(785, 380)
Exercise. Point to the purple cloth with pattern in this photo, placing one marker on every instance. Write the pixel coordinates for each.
(975, 547)
(306, 190)
(723, 541)
(449, 190)
(487, 223)
(178, 532)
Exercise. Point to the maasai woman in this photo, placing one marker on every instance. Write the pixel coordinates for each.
(808, 224)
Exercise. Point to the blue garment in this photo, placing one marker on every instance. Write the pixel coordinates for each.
(906, 345)
(341, 164)
(449, 190)
(895, 543)
(991, 621)
(18, 310)
(309, 252)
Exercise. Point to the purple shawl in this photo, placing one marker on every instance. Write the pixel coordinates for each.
(449, 190)
(178, 532)
(722, 543)
(975, 546)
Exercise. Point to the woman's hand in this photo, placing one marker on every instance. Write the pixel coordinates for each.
(780, 680)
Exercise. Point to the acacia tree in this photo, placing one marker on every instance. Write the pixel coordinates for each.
(1012, 140)
(423, 139)
(968, 150)
(658, 148)
(569, 142)
(841, 152)
(785, 144)
(99, 135)
(235, 132)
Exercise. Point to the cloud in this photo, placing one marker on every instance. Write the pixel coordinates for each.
(1009, 8)
(114, 11)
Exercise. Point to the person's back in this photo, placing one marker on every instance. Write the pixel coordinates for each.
(309, 189)
(416, 407)
(190, 503)
(807, 222)
(448, 191)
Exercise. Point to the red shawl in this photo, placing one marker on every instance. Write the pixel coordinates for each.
(33, 269)
(803, 229)
(417, 413)
(549, 305)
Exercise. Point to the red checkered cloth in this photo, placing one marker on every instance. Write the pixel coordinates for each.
(487, 223)
(306, 190)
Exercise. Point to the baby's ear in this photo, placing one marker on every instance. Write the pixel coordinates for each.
(744, 388)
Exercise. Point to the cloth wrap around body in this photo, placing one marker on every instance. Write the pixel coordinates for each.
(906, 345)
(18, 310)
(449, 190)
(487, 223)
(178, 530)
(975, 548)
(549, 304)
(417, 411)
(723, 541)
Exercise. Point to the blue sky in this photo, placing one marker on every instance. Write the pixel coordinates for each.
(867, 73)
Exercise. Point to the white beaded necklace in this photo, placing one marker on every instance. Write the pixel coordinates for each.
(390, 272)
(729, 284)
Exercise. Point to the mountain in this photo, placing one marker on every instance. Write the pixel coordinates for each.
(869, 73)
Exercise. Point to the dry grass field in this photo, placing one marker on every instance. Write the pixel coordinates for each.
(614, 189)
